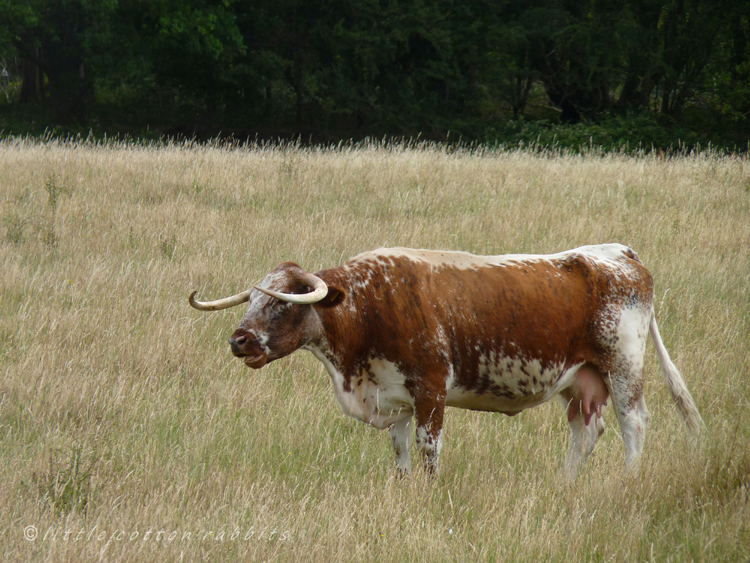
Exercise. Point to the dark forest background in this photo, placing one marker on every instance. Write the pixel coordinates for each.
(661, 73)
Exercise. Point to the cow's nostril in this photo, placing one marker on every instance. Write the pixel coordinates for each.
(239, 341)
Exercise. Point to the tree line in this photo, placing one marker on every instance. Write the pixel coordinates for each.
(348, 68)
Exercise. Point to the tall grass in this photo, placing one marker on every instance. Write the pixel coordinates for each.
(128, 432)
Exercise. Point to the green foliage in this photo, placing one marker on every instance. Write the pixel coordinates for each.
(15, 227)
(54, 190)
(66, 485)
(356, 68)
(169, 246)
(22, 219)
(628, 133)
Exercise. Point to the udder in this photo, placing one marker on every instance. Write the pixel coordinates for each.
(587, 395)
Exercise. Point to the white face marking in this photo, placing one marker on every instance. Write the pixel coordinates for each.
(258, 300)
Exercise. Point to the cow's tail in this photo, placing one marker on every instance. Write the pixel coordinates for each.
(682, 397)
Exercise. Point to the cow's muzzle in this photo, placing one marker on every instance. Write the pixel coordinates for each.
(249, 349)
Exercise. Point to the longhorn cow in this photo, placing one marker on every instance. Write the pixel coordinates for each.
(404, 333)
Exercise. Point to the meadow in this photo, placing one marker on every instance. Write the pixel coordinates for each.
(128, 432)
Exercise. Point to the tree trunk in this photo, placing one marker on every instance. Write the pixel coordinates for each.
(636, 91)
(521, 94)
(569, 112)
(32, 80)
(59, 56)
(295, 78)
(71, 91)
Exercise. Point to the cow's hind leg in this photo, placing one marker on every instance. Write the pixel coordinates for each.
(624, 378)
(584, 401)
(633, 417)
(401, 440)
(583, 439)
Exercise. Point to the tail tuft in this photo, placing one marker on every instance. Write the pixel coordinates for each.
(676, 384)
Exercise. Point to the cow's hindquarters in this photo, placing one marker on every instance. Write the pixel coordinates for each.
(622, 364)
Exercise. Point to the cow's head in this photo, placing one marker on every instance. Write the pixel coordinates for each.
(281, 317)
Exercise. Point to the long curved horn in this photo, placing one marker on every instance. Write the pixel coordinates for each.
(220, 303)
(320, 290)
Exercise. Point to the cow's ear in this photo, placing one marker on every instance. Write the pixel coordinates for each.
(333, 298)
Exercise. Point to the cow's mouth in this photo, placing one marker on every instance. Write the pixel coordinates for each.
(256, 362)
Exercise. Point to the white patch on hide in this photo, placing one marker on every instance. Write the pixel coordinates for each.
(613, 254)
(508, 385)
(632, 333)
(377, 397)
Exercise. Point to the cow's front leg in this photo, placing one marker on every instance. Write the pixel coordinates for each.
(401, 440)
(429, 415)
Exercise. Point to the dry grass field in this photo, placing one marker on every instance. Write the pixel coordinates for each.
(128, 432)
